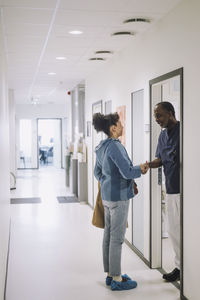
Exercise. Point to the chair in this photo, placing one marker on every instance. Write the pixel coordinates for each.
(43, 155)
(50, 155)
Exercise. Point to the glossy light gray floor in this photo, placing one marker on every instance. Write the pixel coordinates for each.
(55, 252)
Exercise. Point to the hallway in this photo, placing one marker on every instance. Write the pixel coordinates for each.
(55, 252)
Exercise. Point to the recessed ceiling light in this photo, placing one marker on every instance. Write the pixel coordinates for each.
(51, 73)
(103, 52)
(122, 33)
(34, 100)
(75, 32)
(136, 20)
(96, 58)
(60, 57)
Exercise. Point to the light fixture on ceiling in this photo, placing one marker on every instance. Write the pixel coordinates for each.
(135, 20)
(97, 58)
(34, 100)
(122, 33)
(51, 73)
(75, 32)
(60, 57)
(103, 52)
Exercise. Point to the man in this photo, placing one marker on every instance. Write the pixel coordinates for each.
(168, 156)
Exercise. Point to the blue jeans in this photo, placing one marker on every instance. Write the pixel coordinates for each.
(116, 215)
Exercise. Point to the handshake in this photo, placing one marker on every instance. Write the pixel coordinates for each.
(144, 167)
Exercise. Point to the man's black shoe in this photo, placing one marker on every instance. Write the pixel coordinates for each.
(172, 276)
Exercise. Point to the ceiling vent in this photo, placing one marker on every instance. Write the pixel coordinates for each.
(103, 52)
(122, 33)
(96, 58)
(136, 20)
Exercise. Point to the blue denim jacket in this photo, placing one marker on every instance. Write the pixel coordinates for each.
(115, 170)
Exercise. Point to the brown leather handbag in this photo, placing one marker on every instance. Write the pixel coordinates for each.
(135, 188)
(98, 214)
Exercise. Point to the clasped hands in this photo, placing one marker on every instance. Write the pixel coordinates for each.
(144, 167)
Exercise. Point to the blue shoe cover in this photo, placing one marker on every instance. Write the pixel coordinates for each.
(109, 279)
(125, 276)
(123, 285)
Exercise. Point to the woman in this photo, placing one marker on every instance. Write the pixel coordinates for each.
(116, 174)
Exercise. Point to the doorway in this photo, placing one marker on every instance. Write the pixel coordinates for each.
(49, 143)
(168, 87)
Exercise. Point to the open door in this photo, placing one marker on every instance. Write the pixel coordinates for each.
(168, 87)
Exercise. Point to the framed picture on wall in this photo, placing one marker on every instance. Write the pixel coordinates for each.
(122, 114)
(108, 107)
(97, 107)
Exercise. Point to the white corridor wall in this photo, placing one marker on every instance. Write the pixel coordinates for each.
(4, 169)
(171, 43)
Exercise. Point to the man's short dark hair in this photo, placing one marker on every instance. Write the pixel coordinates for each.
(167, 106)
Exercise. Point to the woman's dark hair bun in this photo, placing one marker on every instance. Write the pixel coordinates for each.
(103, 122)
(98, 121)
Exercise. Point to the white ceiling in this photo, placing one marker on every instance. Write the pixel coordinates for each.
(37, 31)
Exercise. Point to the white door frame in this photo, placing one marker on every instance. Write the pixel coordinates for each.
(155, 189)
